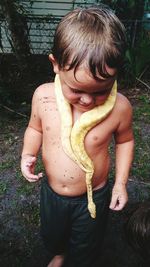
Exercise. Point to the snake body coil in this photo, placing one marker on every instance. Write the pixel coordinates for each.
(72, 136)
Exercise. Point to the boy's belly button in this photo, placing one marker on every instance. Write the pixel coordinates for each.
(71, 191)
(65, 188)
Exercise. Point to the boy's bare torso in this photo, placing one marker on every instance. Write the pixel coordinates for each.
(64, 176)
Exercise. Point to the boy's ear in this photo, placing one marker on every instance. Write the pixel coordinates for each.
(54, 63)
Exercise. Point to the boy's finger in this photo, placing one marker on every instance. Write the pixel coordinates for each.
(33, 159)
(118, 207)
(30, 161)
(113, 203)
(40, 175)
(29, 164)
(32, 177)
(28, 174)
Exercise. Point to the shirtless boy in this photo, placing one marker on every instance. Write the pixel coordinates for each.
(88, 49)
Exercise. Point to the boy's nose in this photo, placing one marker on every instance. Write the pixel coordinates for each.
(86, 99)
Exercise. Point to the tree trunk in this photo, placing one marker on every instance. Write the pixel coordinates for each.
(17, 25)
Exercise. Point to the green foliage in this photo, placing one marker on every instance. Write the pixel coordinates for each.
(131, 12)
(6, 165)
(3, 187)
(141, 166)
(137, 58)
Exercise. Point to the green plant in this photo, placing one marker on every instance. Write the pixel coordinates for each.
(141, 167)
(3, 187)
(137, 58)
(131, 12)
(6, 165)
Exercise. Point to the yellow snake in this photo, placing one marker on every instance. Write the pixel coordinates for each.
(72, 136)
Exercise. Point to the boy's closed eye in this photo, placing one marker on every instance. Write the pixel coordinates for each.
(106, 91)
(99, 93)
(76, 91)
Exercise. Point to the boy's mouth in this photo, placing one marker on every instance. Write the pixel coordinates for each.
(85, 107)
(90, 106)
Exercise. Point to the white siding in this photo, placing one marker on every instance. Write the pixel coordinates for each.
(43, 17)
(44, 8)
(55, 8)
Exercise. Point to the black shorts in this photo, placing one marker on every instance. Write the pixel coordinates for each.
(67, 227)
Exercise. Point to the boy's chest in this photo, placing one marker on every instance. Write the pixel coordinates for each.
(95, 138)
(99, 136)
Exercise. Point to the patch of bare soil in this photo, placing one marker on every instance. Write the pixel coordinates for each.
(20, 242)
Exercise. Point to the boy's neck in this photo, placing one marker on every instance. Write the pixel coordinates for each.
(76, 113)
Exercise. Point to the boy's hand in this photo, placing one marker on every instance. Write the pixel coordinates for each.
(27, 168)
(119, 197)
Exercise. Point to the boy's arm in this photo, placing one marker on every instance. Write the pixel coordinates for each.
(124, 141)
(32, 143)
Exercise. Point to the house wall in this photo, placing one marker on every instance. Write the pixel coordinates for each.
(42, 17)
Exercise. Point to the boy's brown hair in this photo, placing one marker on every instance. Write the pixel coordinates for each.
(94, 36)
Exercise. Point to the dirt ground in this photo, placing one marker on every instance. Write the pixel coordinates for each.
(20, 242)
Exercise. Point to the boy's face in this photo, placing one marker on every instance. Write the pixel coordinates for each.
(82, 91)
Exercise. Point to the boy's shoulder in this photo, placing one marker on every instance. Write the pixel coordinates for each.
(44, 90)
(123, 109)
(122, 102)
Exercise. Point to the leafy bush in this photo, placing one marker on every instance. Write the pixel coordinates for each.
(132, 13)
(137, 58)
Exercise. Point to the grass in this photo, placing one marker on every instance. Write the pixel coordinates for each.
(141, 167)
(6, 165)
(30, 215)
(3, 187)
